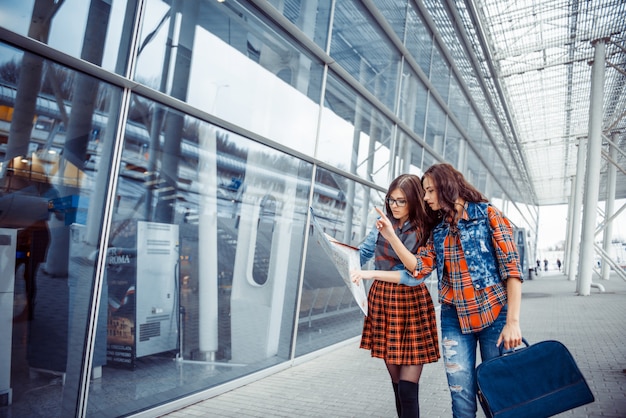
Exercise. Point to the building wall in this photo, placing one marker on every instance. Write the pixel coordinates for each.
(159, 160)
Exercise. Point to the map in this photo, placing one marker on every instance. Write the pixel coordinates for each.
(345, 257)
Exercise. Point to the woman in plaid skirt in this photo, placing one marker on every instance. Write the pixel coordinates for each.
(473, 250)
(400, 326)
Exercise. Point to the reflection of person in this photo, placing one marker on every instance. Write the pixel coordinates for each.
(545, 264)
(33, 242)
(558, 263)
(33, 238)
(400, 326)
(479, 274)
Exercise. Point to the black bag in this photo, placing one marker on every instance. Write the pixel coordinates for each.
(540, 380)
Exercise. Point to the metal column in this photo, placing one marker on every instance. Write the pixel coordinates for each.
(568, 233)
(610, 203)
(574, 224)
(592, 175)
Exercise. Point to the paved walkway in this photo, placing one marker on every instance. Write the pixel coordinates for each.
(347, 382)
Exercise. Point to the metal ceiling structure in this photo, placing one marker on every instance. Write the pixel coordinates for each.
(538, 55)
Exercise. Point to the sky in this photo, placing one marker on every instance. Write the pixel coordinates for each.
(553, 224)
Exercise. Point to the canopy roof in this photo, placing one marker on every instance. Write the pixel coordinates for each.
(541, 52)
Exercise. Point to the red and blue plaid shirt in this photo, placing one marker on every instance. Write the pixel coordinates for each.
(476, 308)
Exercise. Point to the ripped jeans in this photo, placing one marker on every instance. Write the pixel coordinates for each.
(459, 356)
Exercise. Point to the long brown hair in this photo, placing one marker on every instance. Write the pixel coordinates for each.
(451, 185)
(421, 220)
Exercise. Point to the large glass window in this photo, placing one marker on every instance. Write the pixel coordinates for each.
(474, 129)
(452, 144)
(97, 31)
(57, 130)
(474, 168)
(440, 74)
(458, 102)
(221, 58)
(408, 157)
(204, 259)
(435, 126)
(312, 17)
(428, 160)
(363, 50)
(395, 14)
(419, 39)
(413, 99)
(328, 311)
(354, 136)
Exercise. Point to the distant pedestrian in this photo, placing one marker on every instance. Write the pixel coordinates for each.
(545, 264)
(558, 263)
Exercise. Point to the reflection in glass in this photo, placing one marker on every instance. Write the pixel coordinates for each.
(328, 311)
(413, 98)
(419, 39)
(440, 75)
(428, 160)
(354, 136)
(409, 156)
(223, 59)
(435, 126)
(453, 145)
(55, 150)
(96, 31)
(458, 103)
(362, 49)
(203, 260)
(311, 17)
(395, 13)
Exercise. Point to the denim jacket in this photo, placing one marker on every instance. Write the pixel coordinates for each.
(367, 250)
(476, 240)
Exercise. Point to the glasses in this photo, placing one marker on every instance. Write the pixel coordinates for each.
(398, 202)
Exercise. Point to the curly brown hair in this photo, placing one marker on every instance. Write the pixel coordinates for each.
(451, 185)
(421, 218)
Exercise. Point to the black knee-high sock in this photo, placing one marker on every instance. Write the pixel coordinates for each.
(395, 392)
(417, 394)
(408, 399)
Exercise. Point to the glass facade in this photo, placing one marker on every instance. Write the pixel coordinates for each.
(157, 164)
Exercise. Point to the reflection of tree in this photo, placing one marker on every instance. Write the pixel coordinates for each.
(9, 72)
(227, 147)
(29, 81)
(86, 87)
(161, 121)
(56, 82)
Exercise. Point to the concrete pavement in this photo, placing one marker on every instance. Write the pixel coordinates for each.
(347, 382)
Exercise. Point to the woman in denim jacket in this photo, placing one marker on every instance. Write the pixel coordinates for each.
(477, 263)
(400, 326)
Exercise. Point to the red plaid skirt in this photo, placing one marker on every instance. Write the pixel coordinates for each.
(400, 326)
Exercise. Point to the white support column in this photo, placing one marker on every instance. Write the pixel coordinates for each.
(462, 160)
(567, 251)
(576, 204)
(208, 285)
(592, 177)
(610, 204)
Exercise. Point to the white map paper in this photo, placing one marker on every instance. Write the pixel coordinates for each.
(345, 258)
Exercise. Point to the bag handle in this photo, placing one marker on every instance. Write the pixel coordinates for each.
(512, 350)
